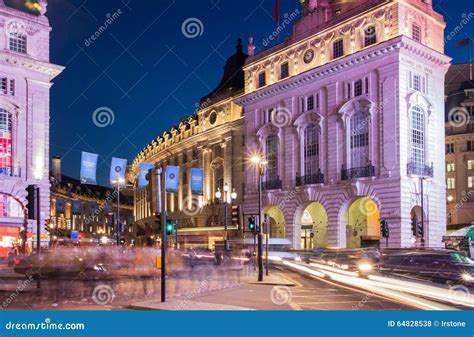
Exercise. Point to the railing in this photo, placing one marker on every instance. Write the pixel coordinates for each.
(310, 179)
(272, 185)
(358, 172)
(420, 170)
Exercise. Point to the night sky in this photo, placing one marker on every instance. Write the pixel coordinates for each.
(147, 72)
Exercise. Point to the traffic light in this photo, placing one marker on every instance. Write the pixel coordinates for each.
(420, 230)
(235, 215)
(32, 201)
(170, 227)
(385, 229)
(252, 225)
(157, 223)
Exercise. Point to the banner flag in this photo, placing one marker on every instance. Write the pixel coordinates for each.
(117, 169)
(144, 168)
(197, 181)
(172, 179)
(89, 168)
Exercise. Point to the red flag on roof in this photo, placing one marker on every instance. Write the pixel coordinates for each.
(276, 12)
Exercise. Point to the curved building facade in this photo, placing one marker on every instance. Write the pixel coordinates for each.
(211, 140)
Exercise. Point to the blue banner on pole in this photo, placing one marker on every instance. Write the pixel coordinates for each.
(172, 179)
(76, 207)
(89, 168)
(117, 169)
(197, 181)
(60, 206)
(144, 168)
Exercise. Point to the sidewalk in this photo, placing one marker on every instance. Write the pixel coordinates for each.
(250, 295)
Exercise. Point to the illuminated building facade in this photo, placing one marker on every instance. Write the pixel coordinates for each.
(459, 147)
(348, 116)
(25, 81)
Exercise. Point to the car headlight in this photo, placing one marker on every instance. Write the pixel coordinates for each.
(467, 277)
(344, 267)
(365, 267)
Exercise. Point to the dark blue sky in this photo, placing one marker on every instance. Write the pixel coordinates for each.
(147, 72)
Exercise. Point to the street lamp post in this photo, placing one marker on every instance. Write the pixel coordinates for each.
(117, 232)
(233, 196)
(260, 163)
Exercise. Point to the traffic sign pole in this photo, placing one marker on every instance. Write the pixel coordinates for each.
(164, 234)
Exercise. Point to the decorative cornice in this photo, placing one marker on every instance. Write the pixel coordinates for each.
(383, 49)
(20, 61)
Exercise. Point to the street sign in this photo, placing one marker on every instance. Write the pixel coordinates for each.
(75, 235)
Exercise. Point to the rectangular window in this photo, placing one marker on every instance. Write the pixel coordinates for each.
(450, 148)
(284, 70)
(18, 43)
(262, 79)
(450, 167)
(470, 182)
(338, 49)
(416, 32)
(4, 85)
(370, 36)
(358, 88)
(367, 85)
(12, 87)
(310, 103)
(470, 164)
(417, 82)
(470, 146)
(451, 183)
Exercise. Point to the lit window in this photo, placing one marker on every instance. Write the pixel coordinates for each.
(359, 125)
(18, 42)
(470, 164)
(262, 80)
(451, 183)
(284, 70)
(416, 32)
(10, 207)
(370, 36)
(417, 126)
(5, 143)
(338, 49)
(470, 182)
(450, 167)
(311, 150)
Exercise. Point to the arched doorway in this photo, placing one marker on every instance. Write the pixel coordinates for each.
(313, 221)
(277, 222)
(363, 223)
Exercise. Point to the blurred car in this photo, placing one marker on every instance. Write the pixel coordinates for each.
(56, 264)
(361, 261)
(437, 266)
(198, 257)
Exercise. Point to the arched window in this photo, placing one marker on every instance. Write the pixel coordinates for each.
(17, 42)
(272, 158)
(5, 143)
(311, 150)
(359, 140)
(370, 36)
(417, 141)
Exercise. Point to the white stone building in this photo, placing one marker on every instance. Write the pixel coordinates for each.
(348, 114)
(25, 81)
